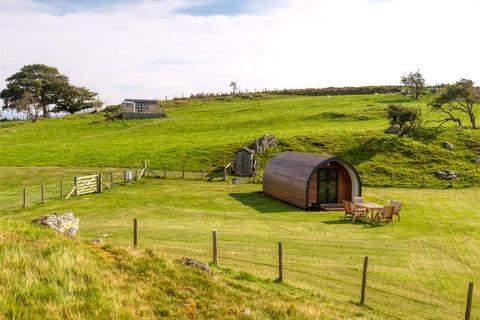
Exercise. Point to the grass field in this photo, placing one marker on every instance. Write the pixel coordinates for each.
(211, 131)
(420, 266)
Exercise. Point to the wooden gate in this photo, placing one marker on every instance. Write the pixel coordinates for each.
(87, 184)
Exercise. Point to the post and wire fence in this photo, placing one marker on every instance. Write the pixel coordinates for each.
(280, 277)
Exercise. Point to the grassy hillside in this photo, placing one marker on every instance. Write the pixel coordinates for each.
(47, 276)
(211, 131)
(420, 266)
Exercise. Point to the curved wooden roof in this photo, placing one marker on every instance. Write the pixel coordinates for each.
(287, 175)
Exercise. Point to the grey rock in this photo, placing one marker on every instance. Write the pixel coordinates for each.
(97, 242)
(447, 174)
(265, 143)
(447, 145)
(66, 223)
(392, 130)
(194, 263)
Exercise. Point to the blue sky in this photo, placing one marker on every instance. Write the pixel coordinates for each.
(193, 7)
(158, 48)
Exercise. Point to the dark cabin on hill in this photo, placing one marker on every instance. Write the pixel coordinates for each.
(311, 181)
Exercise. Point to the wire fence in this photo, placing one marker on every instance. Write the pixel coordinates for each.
(361, 280)
(280, 263)
(33, 195)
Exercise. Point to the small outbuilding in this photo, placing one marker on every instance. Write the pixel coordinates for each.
(245, 163)
(311, 181)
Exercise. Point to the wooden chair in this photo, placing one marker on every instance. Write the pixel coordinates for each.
(397, 205)
(387, 214)
(350, 209)
(357, 200)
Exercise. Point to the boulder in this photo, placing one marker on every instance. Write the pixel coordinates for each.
(265, 143)
(392, 130)
(194, 263)
(97, 242)
(66, 223)
(447, 145)
(447, 174)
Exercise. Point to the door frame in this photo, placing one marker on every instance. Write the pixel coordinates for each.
(336, 184)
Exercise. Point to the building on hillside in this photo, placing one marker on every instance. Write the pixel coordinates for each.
(311, 181)
(142, 109)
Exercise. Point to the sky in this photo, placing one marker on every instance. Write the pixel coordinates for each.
(166, 48)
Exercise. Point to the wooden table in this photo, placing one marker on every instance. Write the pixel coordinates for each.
(371, 209)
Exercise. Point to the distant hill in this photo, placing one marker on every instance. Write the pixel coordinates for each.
(210, 130)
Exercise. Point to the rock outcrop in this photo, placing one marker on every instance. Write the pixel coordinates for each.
(392, 130)
(447, 174)
(265, 143)
(194, 263)
(65, 223)
(448, 145)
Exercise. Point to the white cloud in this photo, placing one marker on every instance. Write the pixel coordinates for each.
(148, 49)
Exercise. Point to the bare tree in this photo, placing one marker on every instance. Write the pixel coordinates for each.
(29, 105)
(234, 86)
(414, 82)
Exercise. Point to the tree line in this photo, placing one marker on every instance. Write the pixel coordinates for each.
(36, 90)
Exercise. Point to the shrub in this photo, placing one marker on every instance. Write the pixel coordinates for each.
(405, 118)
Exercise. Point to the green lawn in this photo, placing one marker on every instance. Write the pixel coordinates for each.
(211, 131)
(420, 266)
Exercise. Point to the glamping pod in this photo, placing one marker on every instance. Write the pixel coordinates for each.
(311, 181)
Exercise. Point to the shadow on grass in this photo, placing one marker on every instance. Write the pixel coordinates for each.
(426, 135)
(262, 203)
(362, 223)
(367, 150)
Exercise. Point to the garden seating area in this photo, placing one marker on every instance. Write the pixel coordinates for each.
(372, 212)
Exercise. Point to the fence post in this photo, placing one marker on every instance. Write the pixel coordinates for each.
(135, 234)
(280, 261)
(468, 310)
(183, 169)
(136, 172)
(111, 179)
(203, 171)
(43, 193)
(254, 176)
(24, 198)
(224, 174)
(61, 190)
(99, 181)
(215, 247)
(145, 167)
(364, 280)
(75, 184)
(124, 177)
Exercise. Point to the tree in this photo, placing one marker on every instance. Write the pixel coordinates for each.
(29, 105)
(41, 81)
(414, 82)
(455, 99)
(72, 99)
(234, 87)
(405, 118)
